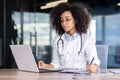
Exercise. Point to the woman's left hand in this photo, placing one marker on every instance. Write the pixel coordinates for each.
(93, 68)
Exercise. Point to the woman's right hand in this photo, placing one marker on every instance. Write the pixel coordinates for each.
(41, 64)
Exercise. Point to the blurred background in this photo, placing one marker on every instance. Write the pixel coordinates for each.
(27, 22)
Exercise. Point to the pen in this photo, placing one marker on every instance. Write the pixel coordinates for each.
(92, 61)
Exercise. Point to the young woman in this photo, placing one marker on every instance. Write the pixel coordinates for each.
(72, 48)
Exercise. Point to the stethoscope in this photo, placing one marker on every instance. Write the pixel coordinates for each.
(62, 44)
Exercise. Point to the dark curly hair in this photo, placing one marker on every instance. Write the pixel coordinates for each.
(79, 13)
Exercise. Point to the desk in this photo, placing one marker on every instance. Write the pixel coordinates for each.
(13, 74)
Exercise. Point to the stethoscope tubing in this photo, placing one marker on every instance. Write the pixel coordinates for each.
(60, 39)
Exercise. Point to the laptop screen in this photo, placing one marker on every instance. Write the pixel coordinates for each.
(24, 58)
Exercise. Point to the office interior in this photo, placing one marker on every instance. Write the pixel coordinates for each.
(25, 22)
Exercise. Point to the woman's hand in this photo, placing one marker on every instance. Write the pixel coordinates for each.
(41, 64)
(93, 68)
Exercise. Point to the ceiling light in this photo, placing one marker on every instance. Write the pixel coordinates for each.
(56, 2)
(118, 4)
(46, 7)
(52, 4)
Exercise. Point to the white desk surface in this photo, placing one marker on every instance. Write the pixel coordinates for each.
(13, 74)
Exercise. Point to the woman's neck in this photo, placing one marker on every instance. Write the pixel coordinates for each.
(71, 32)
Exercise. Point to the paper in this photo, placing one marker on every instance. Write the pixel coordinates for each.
(76, 71)
(116, 71)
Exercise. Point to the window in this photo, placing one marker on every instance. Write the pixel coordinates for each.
(107, 32)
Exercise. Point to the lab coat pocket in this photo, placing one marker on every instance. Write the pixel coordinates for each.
(80, 60)
(62, 59)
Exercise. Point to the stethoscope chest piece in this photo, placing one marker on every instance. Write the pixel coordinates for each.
(80, 53)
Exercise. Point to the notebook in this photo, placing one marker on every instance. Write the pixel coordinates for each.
(25, 60)
(116, 71)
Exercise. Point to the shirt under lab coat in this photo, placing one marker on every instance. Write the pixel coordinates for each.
(65, 54)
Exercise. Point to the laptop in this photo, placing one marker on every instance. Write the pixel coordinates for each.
(25, 60)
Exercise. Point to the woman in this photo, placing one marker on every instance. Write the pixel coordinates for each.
(72, 48)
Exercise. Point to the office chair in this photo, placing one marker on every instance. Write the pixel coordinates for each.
(102, 51)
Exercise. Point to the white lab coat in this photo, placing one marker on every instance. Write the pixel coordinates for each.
(66, 55)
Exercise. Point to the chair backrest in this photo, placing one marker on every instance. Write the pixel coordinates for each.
(102, 51)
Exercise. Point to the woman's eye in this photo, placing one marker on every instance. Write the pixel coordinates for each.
(67, 19)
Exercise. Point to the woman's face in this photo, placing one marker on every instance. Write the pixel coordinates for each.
(68, 22)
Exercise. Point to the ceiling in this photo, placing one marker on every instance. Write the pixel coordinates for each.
(96, 7)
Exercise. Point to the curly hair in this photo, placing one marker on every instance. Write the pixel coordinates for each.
(79, 13)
